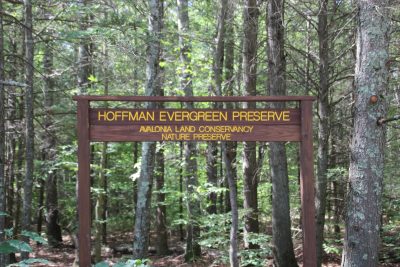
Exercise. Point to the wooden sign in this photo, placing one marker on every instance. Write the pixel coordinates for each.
(194, 125)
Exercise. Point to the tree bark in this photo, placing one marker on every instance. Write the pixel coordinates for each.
(193, 249)
(229, 79)
(29, 130)
(282, 246)
(323, 126)
(2, 137)
(231, 177)
(161, 218)
(250, 27)
(83, 53)
(49, 153)
(362, 218)
(212, 176)
(142, 220)
(216, 89)
(101, 203)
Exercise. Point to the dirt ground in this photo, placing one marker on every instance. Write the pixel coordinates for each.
(65, 255)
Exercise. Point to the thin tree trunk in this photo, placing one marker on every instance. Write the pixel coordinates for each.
(281, 224)
(229, 79)
(193, 249)
(101, 208)
(2, 138)
(19, 180)
(212, 175)
(83, 53)
(135, 161)
(39, 222)
(181, 232)
(161, 218)
(49, 151)
(250, 28)
(216, 89)
(362, 220)
(142, 220)
(233, 242)
(323, 126)
(161, 215)
(29, 130)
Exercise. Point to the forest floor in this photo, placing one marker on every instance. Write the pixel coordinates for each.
(65, 255)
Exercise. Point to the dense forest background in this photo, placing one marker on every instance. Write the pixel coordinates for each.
(213, 203)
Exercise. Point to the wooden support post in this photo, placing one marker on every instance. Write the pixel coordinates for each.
(83, 183)
(307, 185)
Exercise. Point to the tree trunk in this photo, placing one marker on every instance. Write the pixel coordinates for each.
(101, 203)
(83, 53)
(161, 218)
(49, 153)
(282, 246)
(323, 126)
(29, 131)
(212, 176)
(2, 137)
(250, 27)
(362, 218)
(233, 242)
(212, 147)
(193, 249)
(135, 161)
(181, 232)
(229, 79)
(142, 220)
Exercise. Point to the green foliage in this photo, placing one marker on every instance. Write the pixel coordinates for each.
(12, 246)
(34, 236)
(332, 248)
(256, 257)
(28, 262)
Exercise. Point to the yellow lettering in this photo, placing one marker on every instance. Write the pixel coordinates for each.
(286, 115)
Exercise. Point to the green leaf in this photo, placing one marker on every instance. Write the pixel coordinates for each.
(92, 78)
(34, 236)
(11, 246)
(6, 248)
(20, 245)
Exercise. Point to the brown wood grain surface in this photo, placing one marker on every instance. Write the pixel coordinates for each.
(83, 183)
(307, 186)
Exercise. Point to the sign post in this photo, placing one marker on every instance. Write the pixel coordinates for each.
(124, 125)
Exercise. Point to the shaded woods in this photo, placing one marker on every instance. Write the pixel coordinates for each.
(200, 203)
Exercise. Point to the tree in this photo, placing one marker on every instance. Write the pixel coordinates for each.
(250, 28)
(229, 77)
(144, 185)
(193, 249)
(83, 50)
(161, 215)
(323, 125)
(101, 202)
(281, 225)
(2, 136)
(49, 151)
(362, 218)
(29, 130)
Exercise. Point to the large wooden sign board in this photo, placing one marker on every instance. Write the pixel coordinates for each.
(124, 125)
